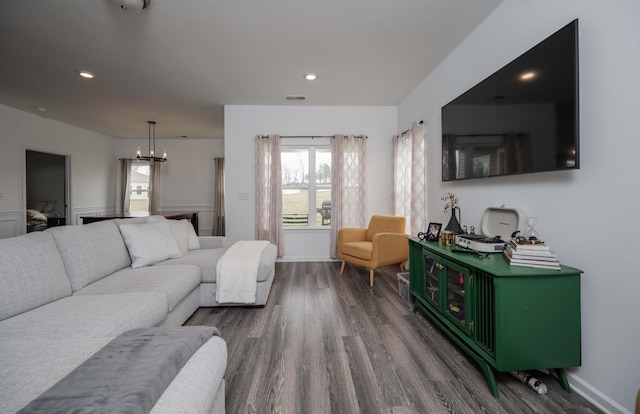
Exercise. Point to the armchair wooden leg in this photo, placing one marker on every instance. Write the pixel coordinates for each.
(371, 277)
(342, 267)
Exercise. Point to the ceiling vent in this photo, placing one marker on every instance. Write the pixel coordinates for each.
(294, 98)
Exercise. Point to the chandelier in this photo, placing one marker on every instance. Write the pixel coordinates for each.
(152, 147)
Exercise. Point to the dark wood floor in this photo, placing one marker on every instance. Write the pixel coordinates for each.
(326, 343)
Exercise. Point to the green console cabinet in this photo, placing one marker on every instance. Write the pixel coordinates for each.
(506, 318)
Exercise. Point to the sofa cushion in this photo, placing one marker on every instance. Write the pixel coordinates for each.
(176, 282)
(88, 316)
(30, 366)
(180, 231)
(90, 251)
(31, 273)
(149, 243)
(194, 240)
(207, 260)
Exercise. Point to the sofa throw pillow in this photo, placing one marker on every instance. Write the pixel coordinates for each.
(194, 241)
(180, 231)
(149, 243)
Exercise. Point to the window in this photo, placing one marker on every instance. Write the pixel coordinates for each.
(306, 186)
(139, 190)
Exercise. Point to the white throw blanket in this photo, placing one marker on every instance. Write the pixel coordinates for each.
(237, 272)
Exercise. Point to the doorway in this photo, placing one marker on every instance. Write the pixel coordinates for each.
(46, 195)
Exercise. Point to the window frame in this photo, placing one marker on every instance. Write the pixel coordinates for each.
(139, 191)
(311, 186)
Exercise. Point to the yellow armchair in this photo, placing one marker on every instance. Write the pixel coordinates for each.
(383, 243)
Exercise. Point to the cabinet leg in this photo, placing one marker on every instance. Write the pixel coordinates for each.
(484, 365)
(562, 377)
(491, 379)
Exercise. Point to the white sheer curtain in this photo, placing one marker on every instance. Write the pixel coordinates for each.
(348, 184)
(409, 178)
(154, 186)
(125, 184)
(218, 199)
(269, 191)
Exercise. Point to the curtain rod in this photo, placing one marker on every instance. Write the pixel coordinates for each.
(311, 136)
(419, 123)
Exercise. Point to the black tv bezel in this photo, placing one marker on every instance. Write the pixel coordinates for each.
(576, 106)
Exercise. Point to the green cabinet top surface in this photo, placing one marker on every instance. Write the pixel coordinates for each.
(494, 263)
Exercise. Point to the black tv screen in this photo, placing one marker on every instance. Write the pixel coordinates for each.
(522, 119)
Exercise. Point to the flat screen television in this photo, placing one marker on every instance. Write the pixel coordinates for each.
(522, 119)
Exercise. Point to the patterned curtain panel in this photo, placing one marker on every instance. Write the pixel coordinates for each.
(218, 199)
(348, 184)
(269, 191)
(125, 185)
(154, 186)
(409, 178)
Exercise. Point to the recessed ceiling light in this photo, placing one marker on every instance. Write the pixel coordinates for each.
(86, 74)
(528, 76)
(311, 76)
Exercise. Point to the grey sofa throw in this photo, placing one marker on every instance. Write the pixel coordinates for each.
(128, 375)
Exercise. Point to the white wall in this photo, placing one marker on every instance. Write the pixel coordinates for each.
(92, 173)
(243, 123)
(589, 216)
(186, 178)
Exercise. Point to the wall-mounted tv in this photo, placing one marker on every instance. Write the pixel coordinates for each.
(522, 119)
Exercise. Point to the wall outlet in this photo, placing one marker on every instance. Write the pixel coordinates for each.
(1, 196)
(243, 196)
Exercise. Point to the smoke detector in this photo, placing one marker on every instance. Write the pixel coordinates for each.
(133, 5)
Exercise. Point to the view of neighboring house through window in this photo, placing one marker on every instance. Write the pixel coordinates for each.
(306, 186)
(139, 197)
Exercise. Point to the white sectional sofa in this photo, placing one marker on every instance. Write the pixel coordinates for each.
(67, 291)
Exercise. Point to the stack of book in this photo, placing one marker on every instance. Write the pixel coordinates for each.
(531, 255)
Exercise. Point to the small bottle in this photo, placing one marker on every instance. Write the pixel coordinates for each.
(532, 382)
(473, 230)
(464, 229)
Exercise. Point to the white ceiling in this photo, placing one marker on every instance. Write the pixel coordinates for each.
(180, 61)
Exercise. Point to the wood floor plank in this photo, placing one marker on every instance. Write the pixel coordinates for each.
(314, 360)
(326, 343)
(403, 361)
(260, 372)
(310, 295)
(367, 387)
(342, 392)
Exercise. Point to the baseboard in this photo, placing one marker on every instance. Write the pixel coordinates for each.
(306, 259)
(595, 397)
